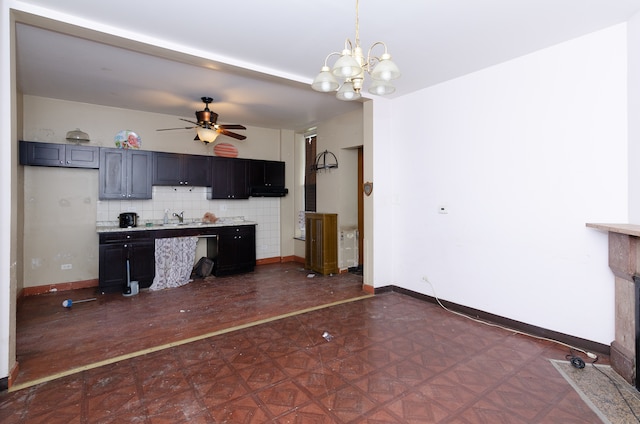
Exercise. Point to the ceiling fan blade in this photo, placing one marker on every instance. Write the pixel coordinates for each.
(231, 134)
(186, 120)
(179, 128)
(232, 127)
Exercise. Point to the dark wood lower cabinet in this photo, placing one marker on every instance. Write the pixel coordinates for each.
(236, 250)
(236, 253)
(115, 249)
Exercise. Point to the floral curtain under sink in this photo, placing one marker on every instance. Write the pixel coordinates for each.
(174, 262)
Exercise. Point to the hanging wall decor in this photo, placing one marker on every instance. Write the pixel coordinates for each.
(368, 188)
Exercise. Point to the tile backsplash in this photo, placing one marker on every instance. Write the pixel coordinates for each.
(193, 201)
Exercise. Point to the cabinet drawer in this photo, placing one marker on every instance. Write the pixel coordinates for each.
(123, 236)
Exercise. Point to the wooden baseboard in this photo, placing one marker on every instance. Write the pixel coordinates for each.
(277, 260)
(13, 375)
(31, 291)
(267, 261)
(293, 258)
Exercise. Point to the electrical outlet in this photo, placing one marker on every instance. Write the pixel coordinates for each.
(66, 266)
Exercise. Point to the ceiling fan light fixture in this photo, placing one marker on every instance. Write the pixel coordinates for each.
(207, 135)
(351, 67)
(206, 126)
(325, 81)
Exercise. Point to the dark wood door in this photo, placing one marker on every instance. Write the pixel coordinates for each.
(229, 178)
(274, 173)
(236, 250)
(219, 178)
(238, 187)
(82, 156)
(226, 253)
(112, 174)
(166, 168)
(142, 261)
(196, 170)
(112, 267)
(42, 154)
(266, 173)
(139, 174)
(245, 245)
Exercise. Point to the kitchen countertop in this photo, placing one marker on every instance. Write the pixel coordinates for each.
(171, 226)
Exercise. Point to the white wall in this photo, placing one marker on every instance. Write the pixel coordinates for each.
(379, 151)
(7, 130)
(337, 189)
(633, 33)
(522, 155)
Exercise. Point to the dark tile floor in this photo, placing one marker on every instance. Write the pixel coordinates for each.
(391, 359)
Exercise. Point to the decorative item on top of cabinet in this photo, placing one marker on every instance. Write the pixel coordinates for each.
(171, 169)
(125, 174)
(58, 155)
(321, 242)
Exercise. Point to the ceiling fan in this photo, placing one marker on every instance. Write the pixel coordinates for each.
(207, 129)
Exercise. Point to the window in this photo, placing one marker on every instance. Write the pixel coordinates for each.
(310, 174)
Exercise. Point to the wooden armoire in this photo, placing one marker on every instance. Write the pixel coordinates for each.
(321, 245)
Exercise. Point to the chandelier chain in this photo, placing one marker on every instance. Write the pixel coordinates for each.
(357, 24)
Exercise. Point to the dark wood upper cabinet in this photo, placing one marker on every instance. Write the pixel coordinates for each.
(170, 169)
(59, 155)
(229, 178)
(128, 174)
(266, 173)
(125, 174)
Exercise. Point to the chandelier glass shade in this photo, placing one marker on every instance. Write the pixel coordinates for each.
(351, 68)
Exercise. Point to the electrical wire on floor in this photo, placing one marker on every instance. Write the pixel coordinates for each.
(490, 324)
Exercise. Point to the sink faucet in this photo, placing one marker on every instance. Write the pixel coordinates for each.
(180, 216)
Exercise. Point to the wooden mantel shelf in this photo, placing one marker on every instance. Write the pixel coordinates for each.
(628, 229)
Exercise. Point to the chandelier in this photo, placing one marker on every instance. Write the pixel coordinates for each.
(351, 68)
